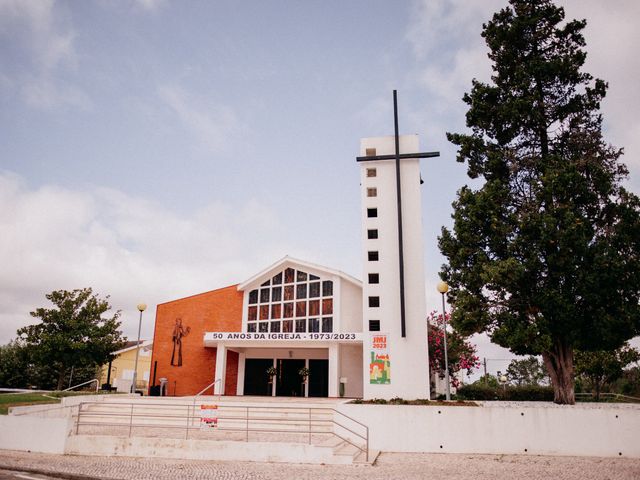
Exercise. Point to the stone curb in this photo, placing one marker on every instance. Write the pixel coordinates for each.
(49, 473)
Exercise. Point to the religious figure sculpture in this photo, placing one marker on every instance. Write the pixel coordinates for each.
(178, 333)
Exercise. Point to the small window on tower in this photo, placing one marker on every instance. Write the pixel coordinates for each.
(371, 172)
(374, 325)
(372, 192)
(372, 212)
(373, 256)
(372, 234)
(370, 152)
(374, 278)
(374, 301)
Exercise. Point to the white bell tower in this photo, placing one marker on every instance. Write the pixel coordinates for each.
(395, 357)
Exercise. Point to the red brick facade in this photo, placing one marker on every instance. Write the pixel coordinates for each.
(216, 311)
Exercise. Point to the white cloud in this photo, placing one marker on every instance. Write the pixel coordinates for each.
(128, 247)
(215, 126)
(151, 5)
(46, 40)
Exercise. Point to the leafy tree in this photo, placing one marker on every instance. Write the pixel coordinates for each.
(602, 368)
(545, 254)
(14, 365)
(527, 371)
(460, 353)
(74, 334)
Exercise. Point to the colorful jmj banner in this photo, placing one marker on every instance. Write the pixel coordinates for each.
(380, 366)
(208, 416)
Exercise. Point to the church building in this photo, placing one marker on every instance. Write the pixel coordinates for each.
(298, 329)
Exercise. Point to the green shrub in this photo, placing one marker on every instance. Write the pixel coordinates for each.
(530, 393)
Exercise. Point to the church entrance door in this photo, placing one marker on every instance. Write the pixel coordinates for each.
(256, 379)
(289, 383)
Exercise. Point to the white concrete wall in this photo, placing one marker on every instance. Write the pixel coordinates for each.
(351, 368)
(34, 434)
(408, 355)
(350, 307)
(198, 449)
(571, 430)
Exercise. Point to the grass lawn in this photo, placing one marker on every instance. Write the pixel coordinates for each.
(19, 399)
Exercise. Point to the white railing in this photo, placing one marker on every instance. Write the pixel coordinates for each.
(608, 395)
(84, 383)
(299, 422)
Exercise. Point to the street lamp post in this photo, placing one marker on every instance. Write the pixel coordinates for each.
(443, 288)
(141, 308)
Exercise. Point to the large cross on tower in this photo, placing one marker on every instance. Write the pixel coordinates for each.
(397, 157)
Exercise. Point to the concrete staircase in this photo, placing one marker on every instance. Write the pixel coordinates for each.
(291, 431)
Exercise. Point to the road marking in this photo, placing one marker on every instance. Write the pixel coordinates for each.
(19, 475)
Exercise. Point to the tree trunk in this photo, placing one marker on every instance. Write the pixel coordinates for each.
(559, 363)
(61, 378)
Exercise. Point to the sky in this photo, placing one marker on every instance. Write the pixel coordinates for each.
(154, 149)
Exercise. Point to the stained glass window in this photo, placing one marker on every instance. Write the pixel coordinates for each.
(327, 306)
(288, 292)
(289, 273)
(264, 295)
(288, 295)
(314, 307)
(276, 294)
(314, 325)
(253, 296)
(327, 325)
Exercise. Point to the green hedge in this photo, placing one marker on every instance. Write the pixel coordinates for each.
(522, 393)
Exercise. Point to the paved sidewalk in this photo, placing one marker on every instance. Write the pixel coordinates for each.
(390, 466)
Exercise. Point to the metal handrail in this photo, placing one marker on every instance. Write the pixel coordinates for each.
(84, 383)
(304, 417)
(610, 395)
(207, 388)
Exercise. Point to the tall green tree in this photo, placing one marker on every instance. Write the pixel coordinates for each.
(602, 368)
(14, 365)
(73, 334)
(545, 255)
(527, 371)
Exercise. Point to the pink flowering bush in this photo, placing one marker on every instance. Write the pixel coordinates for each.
(461, 353)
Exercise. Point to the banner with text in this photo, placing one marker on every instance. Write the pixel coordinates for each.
(380, 365)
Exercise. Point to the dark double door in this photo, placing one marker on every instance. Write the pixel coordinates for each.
(288, 380)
